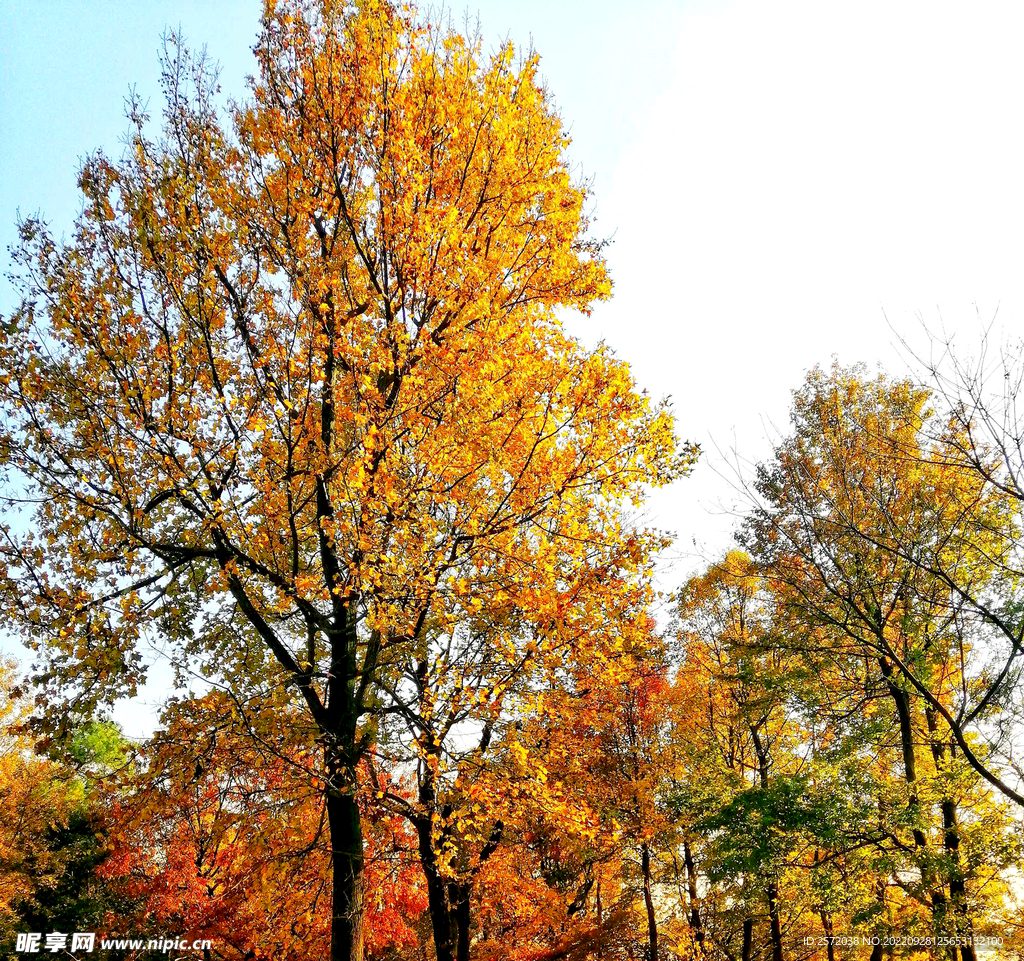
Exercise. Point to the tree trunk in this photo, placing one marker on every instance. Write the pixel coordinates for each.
(884, 916)
(957, 882)
(901, 701)
(652, 922)
(341, 759)
(951, 842)
(347, 877)
(826, 927)
(774, 920)
(460, 912)
(826, 920)
(748, 939)
(437, 900)
(761, 750)
(691, 891)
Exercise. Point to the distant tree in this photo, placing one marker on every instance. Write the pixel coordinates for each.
(871, 520)
(981, 433)
(860, 507)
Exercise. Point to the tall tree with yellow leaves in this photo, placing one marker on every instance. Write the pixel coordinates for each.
(294, 393)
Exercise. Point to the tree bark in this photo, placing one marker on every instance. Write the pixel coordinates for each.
(826, 920)
(437, 900)
(347, 877)
(748, 939)
(460, 913)
(882, 929)
(652, 922)
(772, 887)
(826, 927)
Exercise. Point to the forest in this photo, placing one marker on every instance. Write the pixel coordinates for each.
(295, 405)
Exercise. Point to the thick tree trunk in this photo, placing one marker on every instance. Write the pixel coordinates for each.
(339, 725)
(460, 914)
(957, 882)
(347, 877)
(437, 900)
(448, 901)
(652, 922)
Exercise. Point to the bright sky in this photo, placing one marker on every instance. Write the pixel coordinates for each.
(779, 177)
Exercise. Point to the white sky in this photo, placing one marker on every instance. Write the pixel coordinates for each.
(776, 175)
(806, 167)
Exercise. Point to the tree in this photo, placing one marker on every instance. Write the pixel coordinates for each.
(798, 797)
(614, 744)
(725, 620)
(982, 437)
(294, 394)
(865, 506)
(468, 695)
(32, 805)
(225, 841)
(52, 833)
(858, 510)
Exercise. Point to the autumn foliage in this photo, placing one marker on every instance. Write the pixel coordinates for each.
(295, 396)
(295, 407)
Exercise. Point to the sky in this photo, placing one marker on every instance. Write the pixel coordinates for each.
(783, 182)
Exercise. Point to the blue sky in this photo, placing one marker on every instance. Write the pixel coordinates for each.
(783, 180)
(67, 65)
